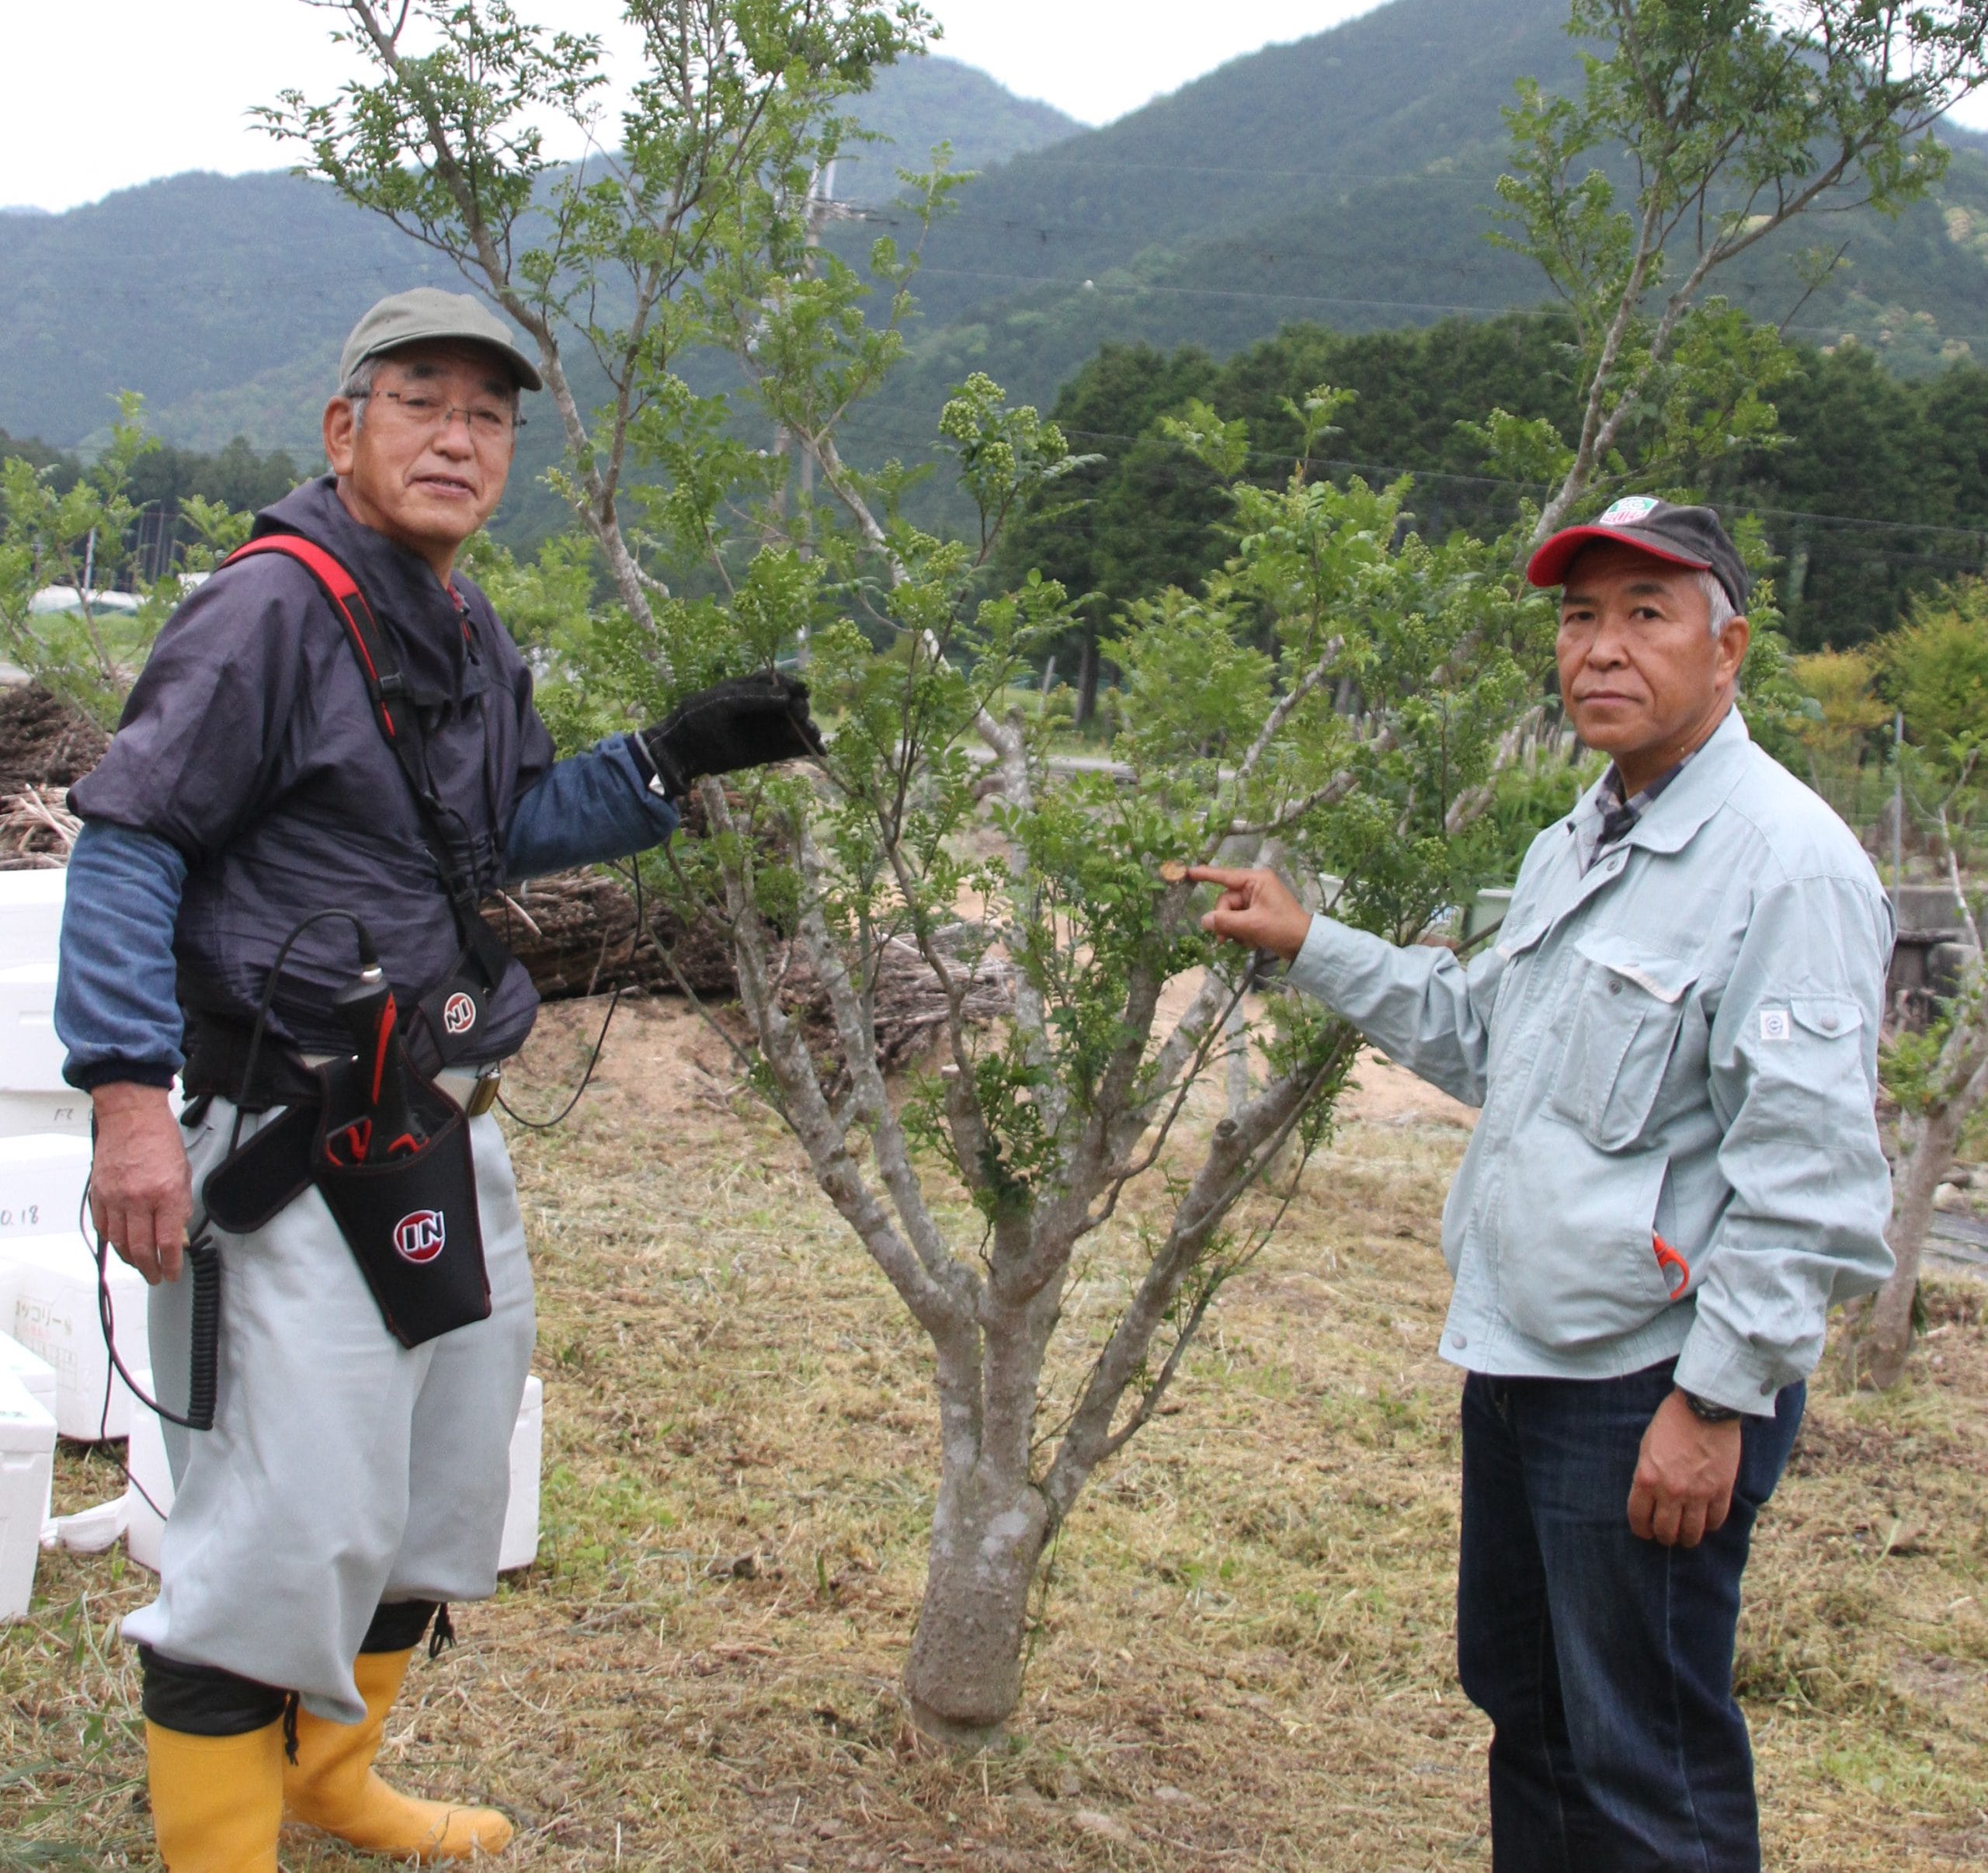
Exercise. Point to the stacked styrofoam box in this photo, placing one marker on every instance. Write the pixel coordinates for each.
(42, 1175)
(16, 1362)
(27, 1462)
(519, 1547)
(66, 1111)
(31, 913)
(31, 1054)
(56, 1317)
(33, 1095)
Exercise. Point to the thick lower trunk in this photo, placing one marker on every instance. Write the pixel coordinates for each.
(965, 1676)
(1884, 1337)
(1087, 678)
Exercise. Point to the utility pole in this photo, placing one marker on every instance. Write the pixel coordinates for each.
(1898, 814)
(820, 209)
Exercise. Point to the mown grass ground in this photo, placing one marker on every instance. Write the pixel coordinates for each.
(1244, 1656)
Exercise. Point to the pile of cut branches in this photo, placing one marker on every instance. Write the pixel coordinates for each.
(36, 829)
(44, 741)
(575, 933)
(907, 997)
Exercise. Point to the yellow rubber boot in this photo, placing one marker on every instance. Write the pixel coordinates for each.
(216, 1801)
(331, 1784)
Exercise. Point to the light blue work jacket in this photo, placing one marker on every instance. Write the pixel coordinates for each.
(1681, 1043)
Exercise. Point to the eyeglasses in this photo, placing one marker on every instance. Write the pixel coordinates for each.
(487, 423)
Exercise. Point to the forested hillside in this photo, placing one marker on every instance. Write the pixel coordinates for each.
(933, 100)
(1344, 180)
(1347, 181)
(1879, 490)
(225, 299)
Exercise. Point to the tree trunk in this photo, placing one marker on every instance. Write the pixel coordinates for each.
(1087, 678)
(965, 1676)
(1881, 1341)
(1884, 1341)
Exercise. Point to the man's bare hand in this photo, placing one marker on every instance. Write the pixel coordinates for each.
(1684, 1484)
(142, 1190)
(1255, 908)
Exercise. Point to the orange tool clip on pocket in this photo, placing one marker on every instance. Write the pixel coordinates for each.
(1668, 1258)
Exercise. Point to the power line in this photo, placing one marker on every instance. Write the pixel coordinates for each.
(1122, 288)
(1350, 465)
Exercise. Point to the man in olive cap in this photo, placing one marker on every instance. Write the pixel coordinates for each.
(1676, 1174)
(335, 729)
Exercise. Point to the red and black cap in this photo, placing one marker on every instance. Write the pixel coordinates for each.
(1684, 536)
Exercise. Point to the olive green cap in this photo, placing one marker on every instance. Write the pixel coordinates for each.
(426, 313)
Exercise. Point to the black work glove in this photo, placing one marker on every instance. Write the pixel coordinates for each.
(745, 721)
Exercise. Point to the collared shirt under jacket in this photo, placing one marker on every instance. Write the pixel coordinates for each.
(1681, 1042)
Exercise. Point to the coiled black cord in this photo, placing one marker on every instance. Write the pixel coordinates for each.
(203, 1374)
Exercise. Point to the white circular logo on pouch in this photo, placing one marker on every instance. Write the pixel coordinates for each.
(418, 1236)
(459, 1013)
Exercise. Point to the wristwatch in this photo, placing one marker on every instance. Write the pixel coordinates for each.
(1705, 1411)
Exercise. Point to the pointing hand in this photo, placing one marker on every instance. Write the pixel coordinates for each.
(1255, 908)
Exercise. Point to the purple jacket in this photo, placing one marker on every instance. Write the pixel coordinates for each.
(249, 745)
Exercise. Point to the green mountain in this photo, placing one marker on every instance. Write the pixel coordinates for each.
(928, 101)
(225, 299)
(1347, 180)
(1343, 180)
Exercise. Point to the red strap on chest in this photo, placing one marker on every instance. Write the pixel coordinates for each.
(342, 589)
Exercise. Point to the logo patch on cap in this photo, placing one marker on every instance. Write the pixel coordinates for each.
(1628, 511)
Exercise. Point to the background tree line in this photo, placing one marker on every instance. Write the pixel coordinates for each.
(157, 481)
(1874, 493)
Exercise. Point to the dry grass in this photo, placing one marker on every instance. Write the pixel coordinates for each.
(1245, 1657)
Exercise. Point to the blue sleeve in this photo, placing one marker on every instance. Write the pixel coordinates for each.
(115, 1005)
(1416, 1002)
(592, 806)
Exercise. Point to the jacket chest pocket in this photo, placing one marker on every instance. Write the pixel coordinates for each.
(1627, 1007)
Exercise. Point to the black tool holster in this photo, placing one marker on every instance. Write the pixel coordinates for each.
(412, 1222)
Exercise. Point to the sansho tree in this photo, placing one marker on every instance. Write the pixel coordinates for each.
(1336, 700)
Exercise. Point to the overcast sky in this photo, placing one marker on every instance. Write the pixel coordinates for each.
(97, 95)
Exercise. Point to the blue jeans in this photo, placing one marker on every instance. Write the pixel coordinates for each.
(1604, 1663)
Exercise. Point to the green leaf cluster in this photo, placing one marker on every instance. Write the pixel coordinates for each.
(78, 611)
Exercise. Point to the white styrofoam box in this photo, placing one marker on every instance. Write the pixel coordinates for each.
(88, 1531)
(33, 1372)
(519, 1545)
(27, 1462)
(151, 1476)
(56, 1317)
(42, 1175)
(10, 1293)
(30, 1368)
(31, 913)
(31, 1055)
(53, 1109)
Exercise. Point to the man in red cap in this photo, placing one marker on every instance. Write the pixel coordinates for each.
(1676, 1175)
